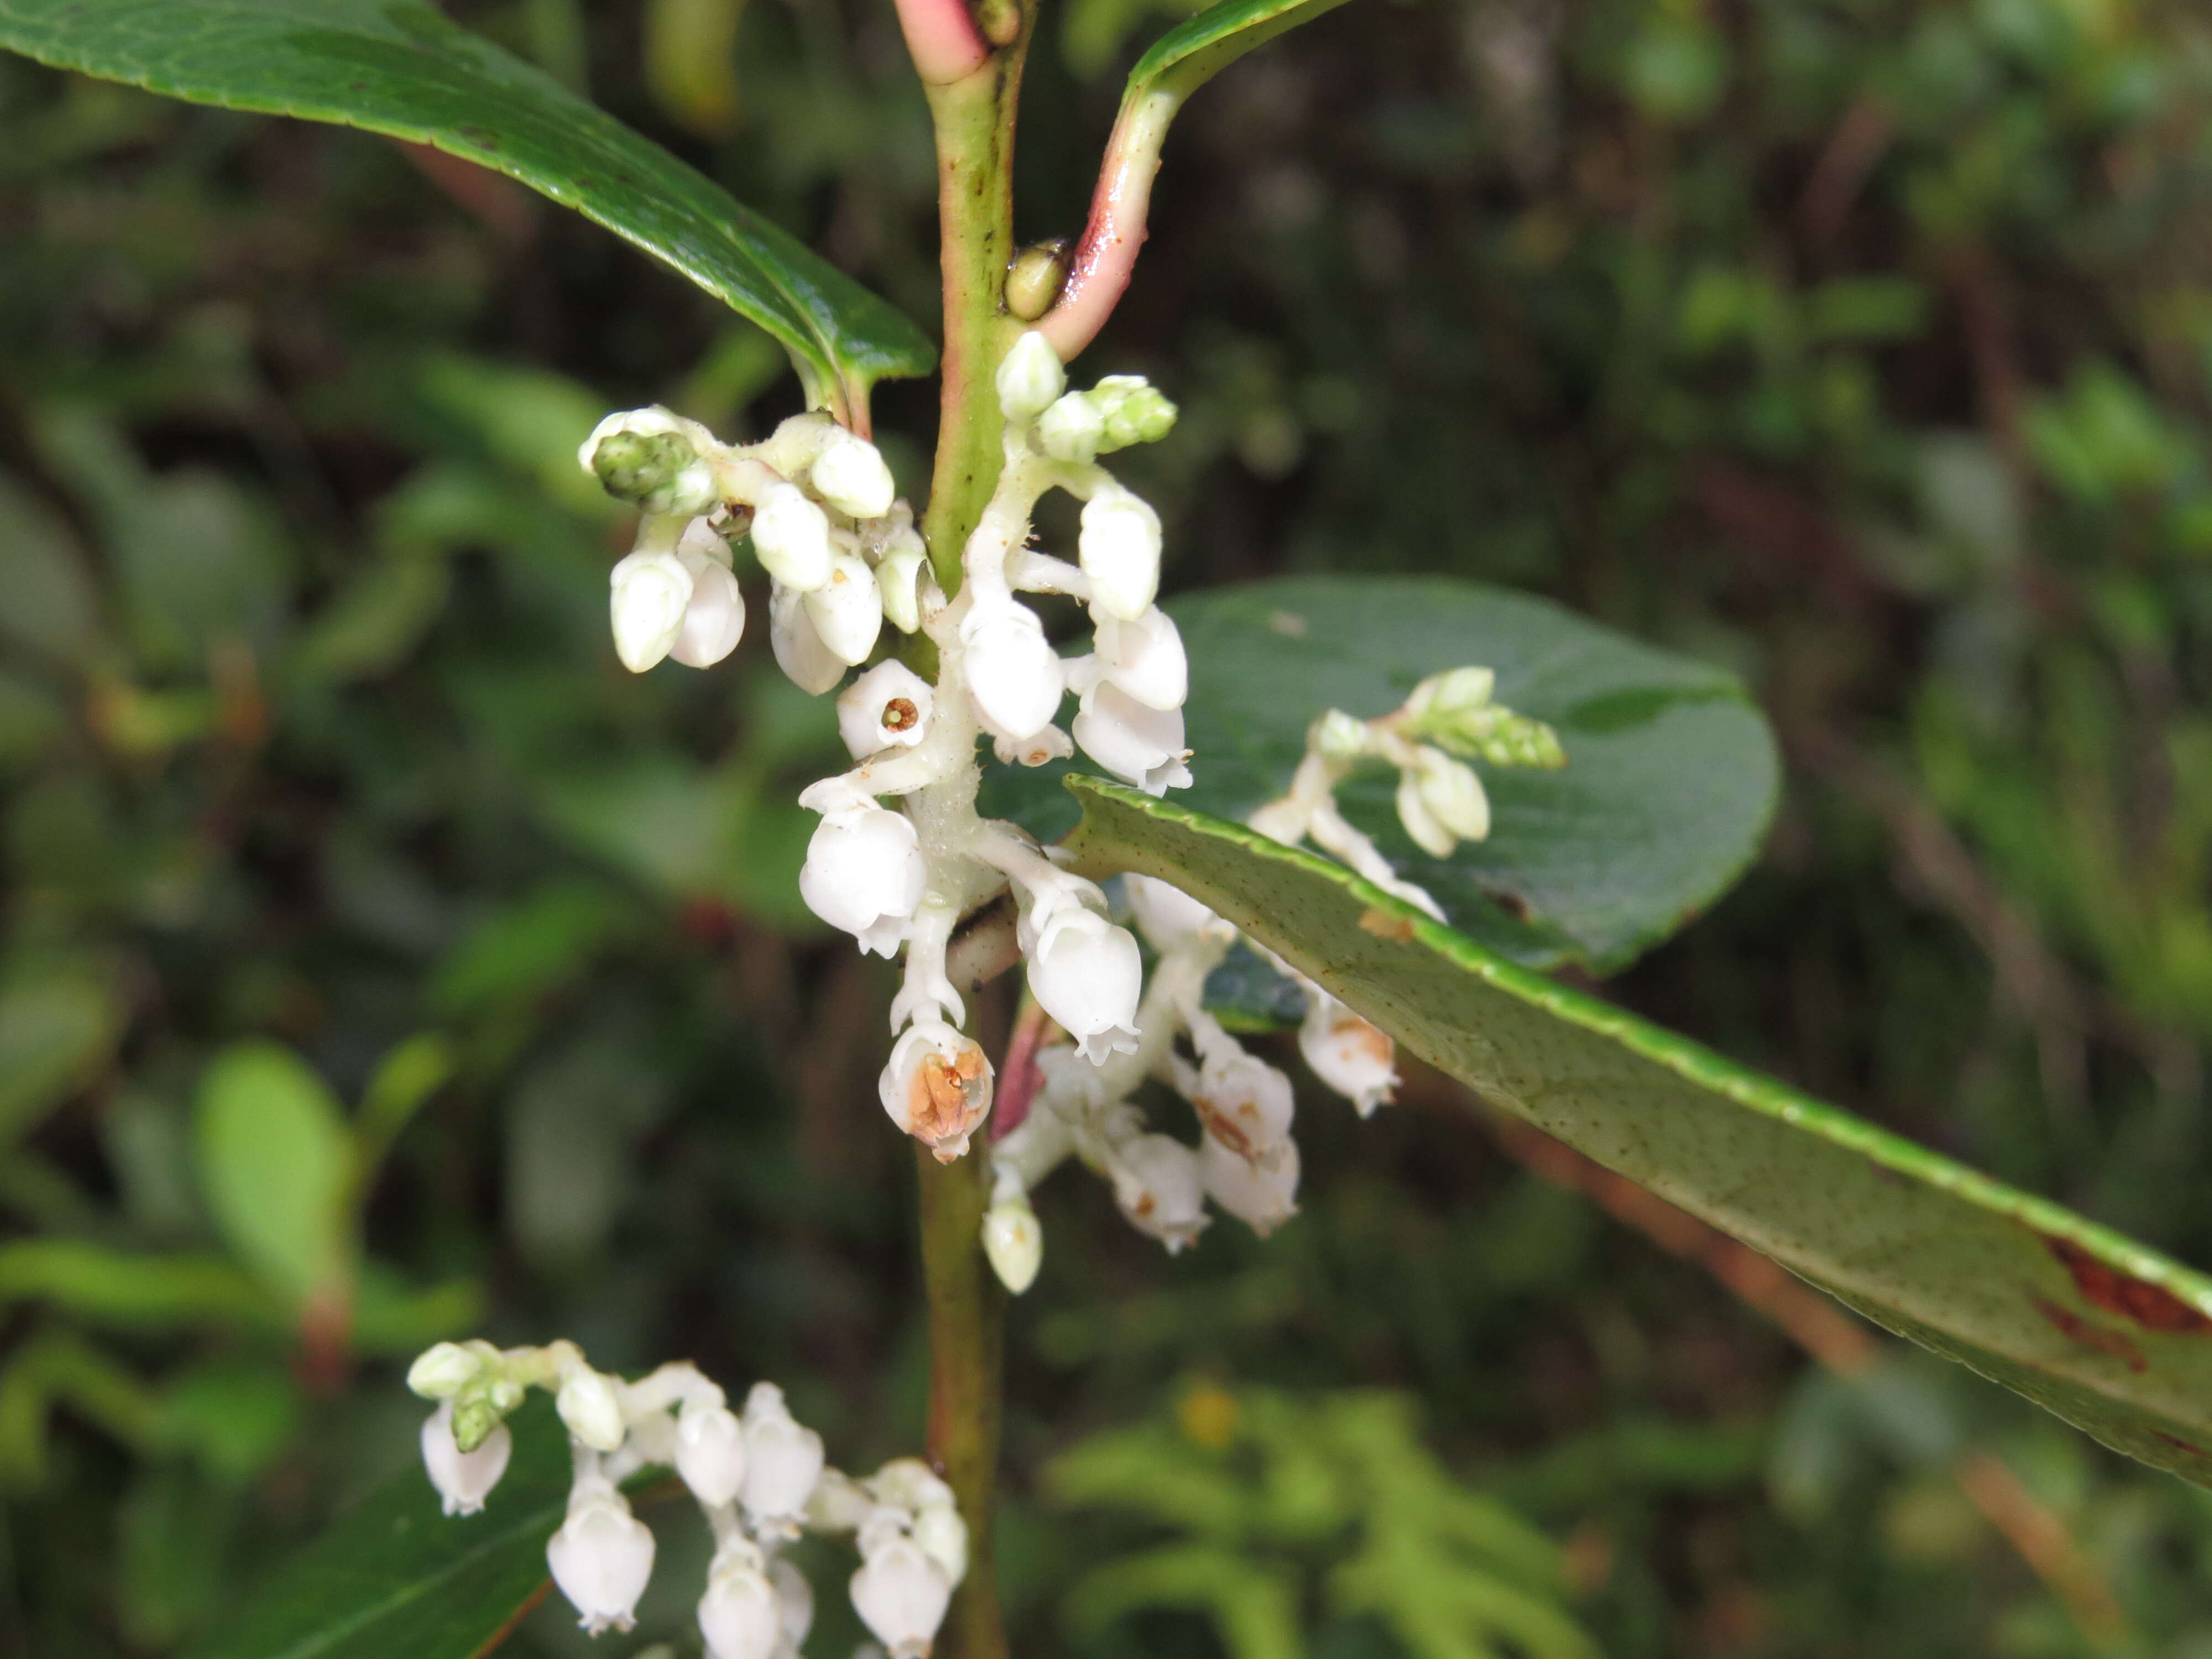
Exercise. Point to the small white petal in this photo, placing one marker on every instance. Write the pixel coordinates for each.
(1453, 793)
(901, 1595)
(602, 1559)
(850, 475)
(887, 707)
(1087, 974)
(1140, 745)
(710, 1453)
(647, 593)
(1120, 548)
(810, 664)
(1263, 1194)
(794, 1602)
(739, 1615)
(783, 1464)
(848, 609)
(1144, 657)
(792, 535)
(1247, 1103)
(899, 577)
(1014, 675)
(1157, 1186)
(1346, 1052)
(1421, 824)
(714, 620)
(942, 1535)
(863, 868)
(1030, 377)
(464, 1479)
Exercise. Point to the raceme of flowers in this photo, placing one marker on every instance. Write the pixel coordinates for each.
(901, 854)
(757, 1475)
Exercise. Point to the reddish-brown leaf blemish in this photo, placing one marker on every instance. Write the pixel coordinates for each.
(2151, 1306)
(2089, 1334)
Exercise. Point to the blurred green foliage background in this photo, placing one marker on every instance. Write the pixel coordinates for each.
(381, 962)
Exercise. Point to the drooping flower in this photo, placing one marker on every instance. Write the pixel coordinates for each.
(865, 873)
(937, 1086)
(464, 1479)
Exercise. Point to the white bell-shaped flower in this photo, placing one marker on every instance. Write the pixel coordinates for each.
(1120, 551)
(1452, 793)
(601, 1558)
(1030, 377)
(464, 1479)
(794, 1602)
(1247, 1103)
(792, 535)
(942, 1536)
(1013, 1242)
(1087, 974)
(901, 1596)
(1144, 657)
(909, 1484)
(648, 594)
(899, 580)
(783, 1463)
(1351, 1056)
(713, 618)
(710, 1452)
(1014, 675)
(1140, 745)
(1168, 916)
(590, 1405)
(1157, 1186)
(937, 1086)
(1263, 1193)
(848, 610)
(739, 1615)
(850, 475)
(1072, 429)
(887, 707)
(799, 652)
(865, 873)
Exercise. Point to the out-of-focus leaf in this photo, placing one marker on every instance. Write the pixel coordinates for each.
(57, 1368)
(57, 1029)
(134, 1290)
(395, 1577)
(692, 61)
(393, 1317)
(233, 1416)
(528, 949)
(406, 1077)
(1254, 1607)
(400, 67)
(375, 620)
(276, 1164)
(2110, 1335)
(530, 419)
(51, 605)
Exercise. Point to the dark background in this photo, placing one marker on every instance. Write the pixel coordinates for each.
(1860, 345)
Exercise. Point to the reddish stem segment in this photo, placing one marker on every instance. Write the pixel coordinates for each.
(1099, 273)
(943, 39)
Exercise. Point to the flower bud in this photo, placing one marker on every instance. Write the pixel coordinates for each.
(739, 1615)
(792, 535)
(1441, 802)
(865, 873)
(1166, 914)
(846, 610)
(1013, 1242)
(714, 620)
(648, 458)
(909, 1484)
(901, 1596)
(1340, 738)
(1261, 1193)
(442, 1371)
(1035, 278)
(1144, 657)
(602, 1558)
(887, 707)
(588, 1404)
(1120, 549)
(648, 595)
(1442, 699)
(1030, 377)
(710, 1453)
(1140, 745)
(810, 665)
(464, 1479)
(1352, 1057)
(1245, 1102)
(1134, 411)
(783, 1463)
(850, 475)
(1014, 675)
(1086, 974)
(942, 1535)
(936, 1087)
(1071, 429)
(1157, 1186)
(899, 577)
(794, 1603)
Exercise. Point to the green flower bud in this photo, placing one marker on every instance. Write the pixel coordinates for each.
(1132, 411)
(659, 472)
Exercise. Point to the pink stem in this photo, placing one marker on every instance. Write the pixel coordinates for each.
(943, 39)
(1099, 273)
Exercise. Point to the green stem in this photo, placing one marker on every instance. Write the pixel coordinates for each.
(975, 121)
(966, 1333)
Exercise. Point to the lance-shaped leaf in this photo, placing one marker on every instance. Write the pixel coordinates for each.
(1194, 51)
(399, 67)
(2111, 1336)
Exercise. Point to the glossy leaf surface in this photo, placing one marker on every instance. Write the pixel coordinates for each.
(2110, 1335)
(1193, 52)
(399, 67)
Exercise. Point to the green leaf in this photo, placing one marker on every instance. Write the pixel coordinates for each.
(276, 1164)
(134, 1290)
(1190, 54)
(2110, 1335)
(1253, 1606)
(1670, 779)
(398, 67)
(395, 1577)
(56, 1034)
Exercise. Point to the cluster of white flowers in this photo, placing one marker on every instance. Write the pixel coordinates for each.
(843, 555)
(757, 1474)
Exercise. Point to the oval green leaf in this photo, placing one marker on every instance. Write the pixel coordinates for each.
(1671, 777)
(395, 1577)
(1193, 52)
(399, 67)
(2111, 1336)
(276, 1164)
